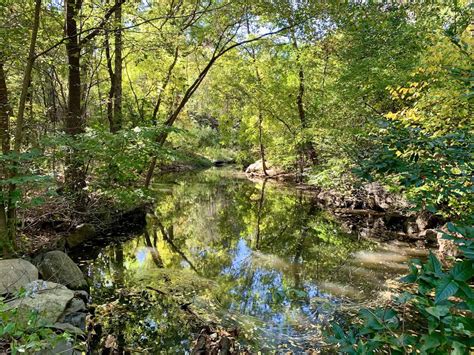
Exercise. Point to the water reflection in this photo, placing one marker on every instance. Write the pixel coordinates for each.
(228, 252)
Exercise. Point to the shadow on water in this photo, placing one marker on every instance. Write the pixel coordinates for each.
(224, 251)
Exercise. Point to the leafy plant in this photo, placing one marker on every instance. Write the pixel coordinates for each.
(20, 335)
(443, 300)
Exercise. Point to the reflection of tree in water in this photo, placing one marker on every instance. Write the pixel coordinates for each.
(263, 246)
(153, 248)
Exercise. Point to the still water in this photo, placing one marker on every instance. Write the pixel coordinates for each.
(221, 250)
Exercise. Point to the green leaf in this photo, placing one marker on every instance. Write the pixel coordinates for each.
(458, 348)
(463, 271)
(408, 279)
(438, 311)
(430, 342)
(434, 264)
(466, 289)
(446, 287)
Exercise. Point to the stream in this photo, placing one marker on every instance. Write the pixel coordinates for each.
(258, 257)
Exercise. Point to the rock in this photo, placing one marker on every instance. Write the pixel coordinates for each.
(327, 197)
(66, 327)
(446, 248)
(56, 266)
(377, 197)
(75, 314)
(365, 232)
(427, 220)
(63, 347)
(422, 220)
(430, 236)
(77, 319)
(256, 167)
(48, 298)
(76, 305)
(15, 274)
(81, 294)
(82, 233)
(411, 228)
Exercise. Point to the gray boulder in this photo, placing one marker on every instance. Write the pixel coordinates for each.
(56, 266)
(16, 274)
(82, 233)
(256, 167)
(63, 347)
(49, 299)
(75, 314)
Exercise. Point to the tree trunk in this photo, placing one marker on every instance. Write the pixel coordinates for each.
(260, 141)
(110, 98)
(75, 177)
(306, 148)
(8, 212)
(117, 83)
(27, 79)
(5, 112)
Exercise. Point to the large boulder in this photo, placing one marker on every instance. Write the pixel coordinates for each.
(75, 314)
(82, 233)
(255, 168)
(56, 266)
(49, 299)
(64, 347)
(16, 274)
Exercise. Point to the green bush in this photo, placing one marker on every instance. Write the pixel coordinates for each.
(443, 301)
(18, 336)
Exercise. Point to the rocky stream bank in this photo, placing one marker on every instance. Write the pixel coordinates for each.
(49, 290)
(371, 212)
(51, 284)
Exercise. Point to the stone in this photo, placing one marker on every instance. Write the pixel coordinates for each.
(16, 274)
(63, 347)
(82, 233)
(56, 266)
(254, 168)
(49, 299)
(67, 327)
(412, 228)
(76, 305)
(446, 248)
(377, 197)
(422, 220)
(75, 314)
(430, 236)
(81, 294)
(77, 320)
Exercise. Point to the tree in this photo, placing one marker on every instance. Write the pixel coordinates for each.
(10, 172)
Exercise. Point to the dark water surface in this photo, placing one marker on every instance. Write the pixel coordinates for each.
(222, 250)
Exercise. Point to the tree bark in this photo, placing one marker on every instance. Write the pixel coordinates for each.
(156, 109)
(74, 176)
(27, 79)
(111, 94)
(117, 83)
(5, 112)
(8, 205)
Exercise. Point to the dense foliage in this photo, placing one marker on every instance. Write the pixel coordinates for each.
(443, 299)
(98, 96)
